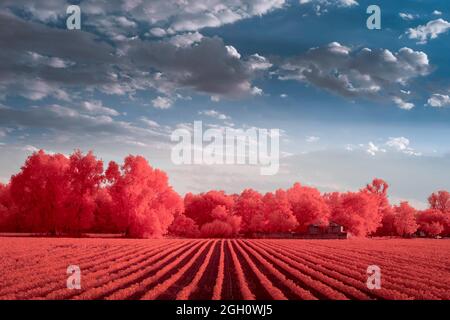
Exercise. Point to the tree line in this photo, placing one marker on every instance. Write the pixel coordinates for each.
(56, 195)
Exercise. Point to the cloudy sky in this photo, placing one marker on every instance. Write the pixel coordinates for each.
(351, 103)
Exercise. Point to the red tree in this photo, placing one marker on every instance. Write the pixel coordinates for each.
(278, 213)
(431, 221)
(357, 212)
(405, 219)
(105, 216)
(440, 201)
(144, 201)
(224, 225)
(84, 175)
(387, 227)
(183, 226)
(7, 222)
(199, 207)
(308, 206)
(39, 192)
(250, 207)
(378, 189)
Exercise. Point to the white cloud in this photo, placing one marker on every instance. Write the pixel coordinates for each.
(125, 22)
(258, 62)
(437, 13)
(339, 3)
(312, 139)
(232, 52)
(429, 31)
(54, 62)
(158, 32)
(214, 114)
(150, 123)
(373, 149)
(402, 104)
(356, 73)
(391, 145)
(439, 100)
(401, 144)
(30, 149)
(162, 102)
(283, 95)
(186, 39)
(97, 107)
(407, 16)
(257, 91)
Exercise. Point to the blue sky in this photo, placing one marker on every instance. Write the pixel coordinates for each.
(352, 103)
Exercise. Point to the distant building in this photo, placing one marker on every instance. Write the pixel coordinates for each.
(314, 231)
(332, 231)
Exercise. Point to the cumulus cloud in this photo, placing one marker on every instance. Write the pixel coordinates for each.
(121, 68)
(214, 114)
(407, 16)
(33, 67)
(162, 102)
(174, 16)
(222, 73)
(402, 104)
(185, 39)
(355, 73)
(401, 144)
(373, 149)
(437, 100)
(158, 32)
(391, 145)
(258, 62)
(431, 30)
(54, 62)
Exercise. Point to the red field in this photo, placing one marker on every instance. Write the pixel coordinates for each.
(35, 268)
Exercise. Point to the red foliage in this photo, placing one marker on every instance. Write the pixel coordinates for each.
(250, 207)
(387, 225)
(105, 220)
(440, 201)
(40, 191)
(308, 206)
(405, 219)
(357, 212)
(84, 175)
(7, 222)
(432, 222)
(224, 225)
(54, 194)
(278, 213)
(144, 201)
(183, 226)
(199, 207)
(379, 188)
